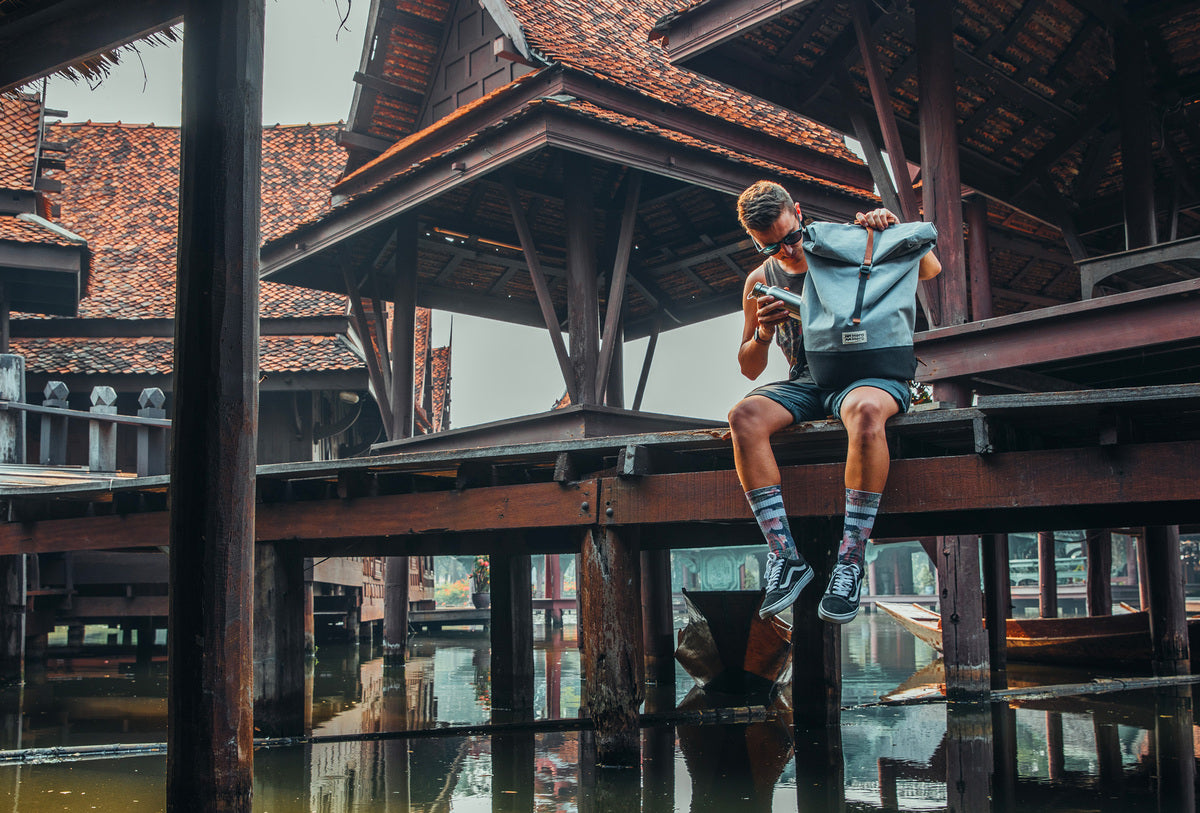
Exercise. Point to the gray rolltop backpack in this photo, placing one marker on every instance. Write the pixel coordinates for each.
(859, 304)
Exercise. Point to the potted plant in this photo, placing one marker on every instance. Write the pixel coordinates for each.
(481, 580)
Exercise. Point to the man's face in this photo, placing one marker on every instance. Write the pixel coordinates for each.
(791, 257)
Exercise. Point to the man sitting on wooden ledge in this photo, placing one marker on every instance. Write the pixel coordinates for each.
(863, 398)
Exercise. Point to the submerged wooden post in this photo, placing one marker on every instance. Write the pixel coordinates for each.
(969, 757)
(12, 568)
(816, 644)
(1174, 748)
(1168, 611)
(210, 729)
(964, 641)
(395, 608)
(997, 598)
(610, 635)
(1047, 576)
(278, 641)
(512, 632)
(658, 636)
(1099, 572)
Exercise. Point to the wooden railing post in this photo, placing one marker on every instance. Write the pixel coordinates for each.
(151, 440)
(12, 568)
(102, 435)
(54, 427)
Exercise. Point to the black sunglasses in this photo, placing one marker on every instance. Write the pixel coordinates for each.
(775, 248)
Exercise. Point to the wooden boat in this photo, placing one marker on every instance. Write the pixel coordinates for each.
(727, 648)
(1076, 641)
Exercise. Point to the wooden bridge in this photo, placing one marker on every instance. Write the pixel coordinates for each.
(1092, 459)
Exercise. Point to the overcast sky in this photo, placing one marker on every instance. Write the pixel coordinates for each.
(499, 370)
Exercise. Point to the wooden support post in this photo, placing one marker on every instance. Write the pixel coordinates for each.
(310, 643)
(610, 636)
(969, 756)
(613, 322)
(395, 608)
(145, 646)
(512, 633)
(554, 618)
(940, 184)
(404, 325)
(1047, 576)
(658, 634)
(513, 772)
(1143, 570)
(1168, 612)
(964, 641)
(102, 435)
(978, 268)
(397, 716)
(1110, 769)
(278, 641)
(1055, 755)
(553, 667)
(647, 360)
(210, 726)
(816, 644)
(820, 766)
(997, 597)
(1174, 748)
(614, 387)
(375, 374)
(583, 302)
(1137, 158)
(151, 440)
(658, 768)
(12, 568)
(1099, 572)
(1004, 758)
(53, 447)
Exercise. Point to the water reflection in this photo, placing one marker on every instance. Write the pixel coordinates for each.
(1119, 751)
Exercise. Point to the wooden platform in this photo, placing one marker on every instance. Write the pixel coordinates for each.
(1009, 463)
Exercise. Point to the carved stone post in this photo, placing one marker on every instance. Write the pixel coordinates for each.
(54, 427)
(151, 440)
(102, 435)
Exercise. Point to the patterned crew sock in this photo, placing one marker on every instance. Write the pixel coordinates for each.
(767, 505)
(861, 507)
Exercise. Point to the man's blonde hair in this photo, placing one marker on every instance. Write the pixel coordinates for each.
(760, 205)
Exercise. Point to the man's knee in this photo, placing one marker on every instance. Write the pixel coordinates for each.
(750, 417)
(866, 415)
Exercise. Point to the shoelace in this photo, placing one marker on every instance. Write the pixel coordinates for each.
(844, 577)
(776, 567)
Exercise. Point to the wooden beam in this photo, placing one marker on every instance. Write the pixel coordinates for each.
(647, 360)
(541, 289)
(616, 290)
(390, 89)
(404, 321)
(583, 309)
(210, 725)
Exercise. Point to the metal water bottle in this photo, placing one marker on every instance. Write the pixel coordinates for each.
(790, 300)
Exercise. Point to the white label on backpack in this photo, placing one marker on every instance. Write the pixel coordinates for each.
(854, 337)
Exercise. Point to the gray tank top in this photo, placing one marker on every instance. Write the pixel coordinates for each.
(789, 335)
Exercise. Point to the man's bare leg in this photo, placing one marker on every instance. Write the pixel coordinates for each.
(752, 422)
(864, 412)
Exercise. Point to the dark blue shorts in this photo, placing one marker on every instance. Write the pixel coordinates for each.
(808, 402)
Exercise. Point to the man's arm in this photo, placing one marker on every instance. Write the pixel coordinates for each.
(760, 317)
(930, 266)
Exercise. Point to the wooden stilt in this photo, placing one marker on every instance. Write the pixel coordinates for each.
(1004, 758)
(940, 185)
(210, 726)
(1168, 612)
(512, 772)
(816, 644)
(1109, 763)
(554, 617)
(610, 635)
(820, 767)
(969, 756)
(1047, 576)
(278, 642)
(1099, 572)
(1174, 749)
(1055, 755)
(583, 301)
(512, 633)
(997, 598)
(395, 609)
(1137, 153)
(12, 568)
(310, 644)
(658, 633)
(658, 768)
(964, 641)
(1143, 570)
(404, 321)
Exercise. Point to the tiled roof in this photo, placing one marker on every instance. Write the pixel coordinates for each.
(153, 356)
(20, 230)
(20, 116)
(120, 192)
(441, 388)
(610, 38)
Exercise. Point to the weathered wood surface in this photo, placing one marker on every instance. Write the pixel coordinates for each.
(511, 633)
(210, 721)
(964, 640)
(1168, 615)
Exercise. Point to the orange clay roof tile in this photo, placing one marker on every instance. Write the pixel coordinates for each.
(20, 116)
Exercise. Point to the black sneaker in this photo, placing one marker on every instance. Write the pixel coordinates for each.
(785, 579)
(840, 602)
